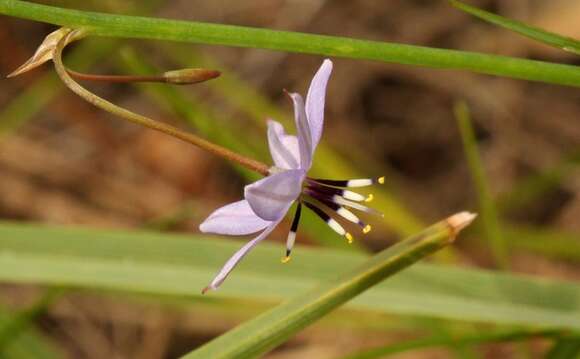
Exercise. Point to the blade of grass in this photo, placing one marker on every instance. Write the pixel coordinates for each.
(489, 214)
(463, 340)
(102, 24)
(165, 264)
(534, 33)
(274, 327)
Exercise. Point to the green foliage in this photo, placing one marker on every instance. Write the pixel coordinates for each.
(175, 265)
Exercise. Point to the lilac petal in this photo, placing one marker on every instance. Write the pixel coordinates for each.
(271, 197)
(236, 218)
(235, 259)
(315, 101)
(304, 133)
(283, 147)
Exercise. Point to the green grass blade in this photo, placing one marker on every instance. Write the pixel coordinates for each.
(145, 262)
(216, 34)
(272, 328)
(464, 340)
(546, 37)
(489, 214)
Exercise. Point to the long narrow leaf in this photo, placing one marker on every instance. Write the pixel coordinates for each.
(489, 214)
(182, 265)
(272, 328)
(196, 32)
(546, 37)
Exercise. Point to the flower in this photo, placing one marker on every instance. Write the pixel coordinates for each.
(268, 200)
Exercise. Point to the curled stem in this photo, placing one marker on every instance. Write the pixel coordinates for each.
(145, 121)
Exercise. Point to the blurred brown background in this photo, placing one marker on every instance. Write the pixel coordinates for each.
(72, 164)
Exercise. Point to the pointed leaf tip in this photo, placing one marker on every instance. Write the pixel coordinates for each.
(45, 50)
(460, 220)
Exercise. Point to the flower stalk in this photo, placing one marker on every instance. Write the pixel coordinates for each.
(130, 116)
(175, 77)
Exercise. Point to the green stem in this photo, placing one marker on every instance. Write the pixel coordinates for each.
(145, 121)
(196, 32)
(490, 218)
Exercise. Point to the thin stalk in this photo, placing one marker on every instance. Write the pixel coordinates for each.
(489, 215)
(116, 78)
(102, 24)
(145, 121)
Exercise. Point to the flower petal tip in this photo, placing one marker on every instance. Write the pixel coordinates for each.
(207, 289)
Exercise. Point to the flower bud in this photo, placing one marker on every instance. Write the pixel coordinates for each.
(190, 76)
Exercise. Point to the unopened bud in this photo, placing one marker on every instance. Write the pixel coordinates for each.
(46, 49)
(190, 76)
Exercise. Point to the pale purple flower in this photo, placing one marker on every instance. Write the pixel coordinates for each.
(268, 200)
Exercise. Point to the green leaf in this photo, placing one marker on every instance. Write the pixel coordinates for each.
(181, 265)
(195, 32)
(549, 38)
(265, 332)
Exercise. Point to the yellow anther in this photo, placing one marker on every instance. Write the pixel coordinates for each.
(369, 198)
(381, 180)
(285, 260)
(349, 237)
(367, 229)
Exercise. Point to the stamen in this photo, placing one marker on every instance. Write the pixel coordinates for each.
(331, 222)
(367, 229)
(359, 182)
(292, 234)
(329, 191)
(369, 198)
(358, 206)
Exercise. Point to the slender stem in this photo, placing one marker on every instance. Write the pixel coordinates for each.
(217, 34)
(116, 78)
(145, 121)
